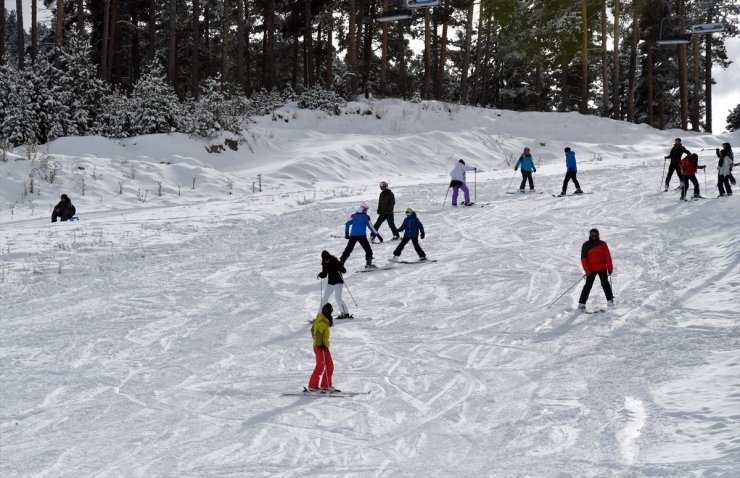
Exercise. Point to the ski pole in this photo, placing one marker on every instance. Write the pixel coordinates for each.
(350, 293)
(512, 180)
(445, 200)
(475, 185)
(705, 180)
(662, 175)
(566, 290)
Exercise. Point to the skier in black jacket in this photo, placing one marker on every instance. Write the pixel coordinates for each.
(386, 203)
(64, 209)
(333, 269)
(677, 152)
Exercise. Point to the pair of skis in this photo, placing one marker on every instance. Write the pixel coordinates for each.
(389, 267)
(323, 394)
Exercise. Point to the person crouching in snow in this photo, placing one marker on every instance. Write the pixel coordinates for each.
(324, 368)
(354, 230)
(64, 210)
(412, 229)
(333, 269)
(596, 260)
(458, 182)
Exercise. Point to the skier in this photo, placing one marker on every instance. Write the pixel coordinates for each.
(724, 170)
(689, 165)
(324, 368)
(677, 151)
(386, 203)
(412, 229)
(570, 173)
(333, 269)
(64, 210)
(525, 161)
(354, 230)
(596, 260)
(458, 181)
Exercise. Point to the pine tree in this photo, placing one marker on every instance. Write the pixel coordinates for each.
(733, 119)
(154, 106)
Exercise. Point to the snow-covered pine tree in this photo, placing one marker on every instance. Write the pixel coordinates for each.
(211, 113)
(154, 106)
(317, 98)
(113, 118)
(82, 90)
(733, 119)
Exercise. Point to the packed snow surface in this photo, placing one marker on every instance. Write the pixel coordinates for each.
(155, 336)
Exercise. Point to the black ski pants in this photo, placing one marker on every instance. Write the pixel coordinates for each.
(568, 176)
(414, 241)
(723, 184)
(673, 167)
(351, 245)
(527, 176)
(391, 222)
(590, 278)
(685, 185)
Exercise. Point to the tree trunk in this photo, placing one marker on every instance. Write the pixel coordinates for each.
(708, 81)
(650, 84)
(172, 53)
(428, 52)
(368, 48)
(21, 36)
(633, 63)
(2, 35)
(308, 42)
(384, 52)
(604, 62)
(240, 32)
(268, 58)
(195, 66)
(697, 85)
(352, 48)
(247, 52)
(59, 37)
(81, 17)
(34, 32)
(225, 42)
(104, 40)
(466, 53)
(112, 40)
(616, 111)
(439, 93)
(401, 60)
(477, 80)
(152, 37)
(294, 63)
(584, 64)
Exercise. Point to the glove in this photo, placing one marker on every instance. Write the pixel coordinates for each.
(318, 276)
(378, 211)
(610, 272)
(534, 170)
(516, 169)
(475, 169)
(717, 150)
(380, 238)
(422, 235)
(346, 235)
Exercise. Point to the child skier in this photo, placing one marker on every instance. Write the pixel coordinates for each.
(724, 170)
(324, 368)
(458, 182)
(333, 269)
(527, 164)
(354, 231)
(412, 229)
(570, 173)
(596, 260)
(689, 165)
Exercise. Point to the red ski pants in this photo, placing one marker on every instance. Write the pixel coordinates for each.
(324, 369)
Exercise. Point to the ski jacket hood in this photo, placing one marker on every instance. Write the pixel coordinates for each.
(320, 331)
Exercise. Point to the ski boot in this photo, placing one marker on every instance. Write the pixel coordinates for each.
(578, 191)
(369, 265)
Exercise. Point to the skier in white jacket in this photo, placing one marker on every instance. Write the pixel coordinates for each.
(458, 181)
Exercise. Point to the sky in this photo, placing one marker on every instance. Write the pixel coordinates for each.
(725, 95)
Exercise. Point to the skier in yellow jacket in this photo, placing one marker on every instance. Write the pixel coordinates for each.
(324, 364)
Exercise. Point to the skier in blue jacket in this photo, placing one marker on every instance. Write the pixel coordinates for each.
(527, 165)
(412, 229)
(354, 231)
(571, 170)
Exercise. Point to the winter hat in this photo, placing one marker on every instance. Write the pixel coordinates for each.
(363, 208)
(383, 184)
(461, 162)
(567, 149)
(326, 310)
(64, 196)
(409, 210)
(526, 150)
(325, 255)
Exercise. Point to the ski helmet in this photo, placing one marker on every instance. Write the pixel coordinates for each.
(383, 184)
(461, 162)
(363, 208)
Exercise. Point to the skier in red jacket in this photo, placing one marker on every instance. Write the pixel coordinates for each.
(689, 166)
(596, 260)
